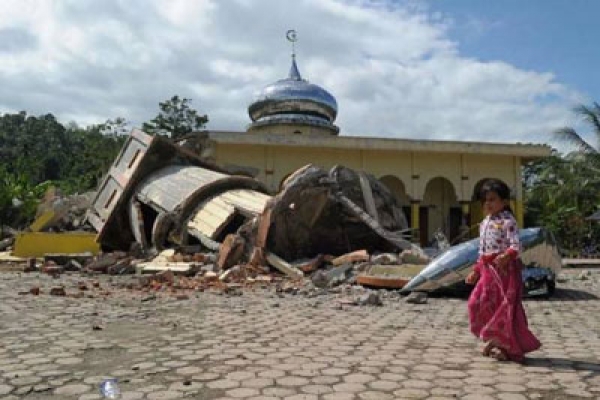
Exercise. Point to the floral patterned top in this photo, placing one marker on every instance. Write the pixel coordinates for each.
(498, 234)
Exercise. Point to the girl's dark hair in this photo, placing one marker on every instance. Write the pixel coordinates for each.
(498, 187)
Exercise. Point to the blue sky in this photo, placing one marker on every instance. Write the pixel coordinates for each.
(558, 36)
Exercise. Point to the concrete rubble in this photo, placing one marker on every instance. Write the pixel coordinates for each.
(184, 225)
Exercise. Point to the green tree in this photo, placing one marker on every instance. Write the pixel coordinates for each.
(560, 192)
(590, 114)
(38, 151)
(176, 119)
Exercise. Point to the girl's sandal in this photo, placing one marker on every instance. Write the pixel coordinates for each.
(499, 354)
(487, 349)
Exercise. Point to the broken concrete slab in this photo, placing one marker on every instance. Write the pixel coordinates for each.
(308, 265)
(388, 276)
(152, 267)
(322, 212)
(230, 251)
(64, 259)
(37, 244)
(282, 266)
(350, 258)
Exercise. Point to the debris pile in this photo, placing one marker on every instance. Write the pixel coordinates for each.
(59, 227)
(185, 224)
(166, 201)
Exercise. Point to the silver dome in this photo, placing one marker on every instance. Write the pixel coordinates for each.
(293, 98)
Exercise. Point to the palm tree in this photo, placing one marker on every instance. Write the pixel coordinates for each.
(590, 114)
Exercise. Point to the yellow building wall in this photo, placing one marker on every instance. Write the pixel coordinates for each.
(414, 169)
(243, 155)
(428, 166)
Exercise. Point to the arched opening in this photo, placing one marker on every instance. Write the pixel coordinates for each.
(440, 210)
(396, 186)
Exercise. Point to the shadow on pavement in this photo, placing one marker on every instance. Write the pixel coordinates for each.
(564, 364)
(563, 294)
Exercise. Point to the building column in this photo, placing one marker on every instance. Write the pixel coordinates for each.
(414, 220)
(517, 203)
(518, 210)
(465, 225)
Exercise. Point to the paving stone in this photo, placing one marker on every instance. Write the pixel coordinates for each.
(131, 395)
(188, 370)
(359, 378)
(301, 397)
(186, 386)
(69, 361)
(278, 392)
(258, 383)
(338, 396)
(6, 389)
(90, 396)
(349, 387)
(508, 387)
(316, 389)
(72, 390)
(164, 395)
(25, 381)
(409, 393)
(371, 395)
(292, 381)
(241, 393)
(205, 376)
(223, 384)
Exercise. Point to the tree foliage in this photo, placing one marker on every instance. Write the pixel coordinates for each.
(591, 115)
(560, 193)
(37, 151)
(176, 119)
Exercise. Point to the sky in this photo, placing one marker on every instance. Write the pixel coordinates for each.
(496, 71)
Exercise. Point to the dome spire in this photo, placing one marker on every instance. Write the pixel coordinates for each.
(292, 37)
(293, 105)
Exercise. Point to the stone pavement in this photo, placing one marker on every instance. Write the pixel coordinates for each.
(264, 345)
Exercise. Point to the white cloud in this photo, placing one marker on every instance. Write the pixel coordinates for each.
(392, 68)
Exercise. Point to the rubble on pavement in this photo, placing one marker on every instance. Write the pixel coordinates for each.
(183, 224)
(191, 218)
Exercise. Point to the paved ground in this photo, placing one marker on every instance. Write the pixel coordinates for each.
(264, 346)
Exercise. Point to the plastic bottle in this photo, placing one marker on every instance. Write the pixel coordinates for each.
(109, 389)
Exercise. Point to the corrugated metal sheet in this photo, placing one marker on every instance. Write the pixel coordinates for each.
(170, 186)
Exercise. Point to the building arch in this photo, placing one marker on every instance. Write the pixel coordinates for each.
(396, 186)
(439, 210)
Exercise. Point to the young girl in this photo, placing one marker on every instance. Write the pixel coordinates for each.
(496, 314)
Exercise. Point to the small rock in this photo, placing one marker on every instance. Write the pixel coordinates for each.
(417, 298)
(148, 298)
(42, 388)
(584, 275)
(73, 266)
(58, 291)
(386, 259)
(370, 299)
(35, 290)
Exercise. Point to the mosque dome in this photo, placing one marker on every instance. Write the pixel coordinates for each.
(293, 101)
